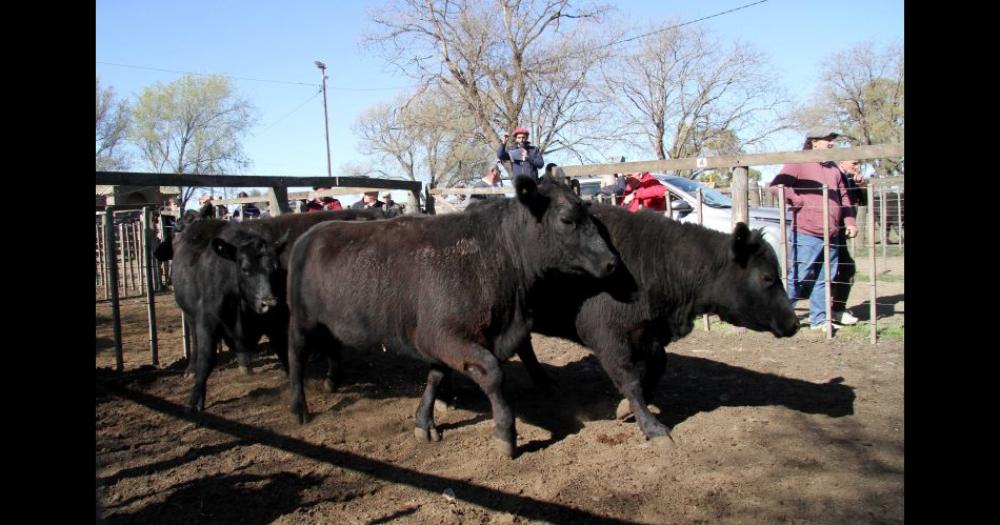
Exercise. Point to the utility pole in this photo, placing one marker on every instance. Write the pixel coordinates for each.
(326, 122)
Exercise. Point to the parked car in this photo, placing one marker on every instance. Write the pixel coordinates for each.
(717, 207)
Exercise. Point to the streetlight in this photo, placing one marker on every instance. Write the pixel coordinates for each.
(326, 123)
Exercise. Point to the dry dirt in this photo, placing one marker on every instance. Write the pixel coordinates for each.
(766, 430)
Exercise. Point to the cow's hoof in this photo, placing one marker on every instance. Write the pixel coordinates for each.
(662, 441)
(506, 448)
(441, 406)
(427, 435)
(246, 370)
(624, 409)
(300, 416)
(659, 432)
(329, 385)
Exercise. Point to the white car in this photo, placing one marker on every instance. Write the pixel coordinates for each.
(717, 207)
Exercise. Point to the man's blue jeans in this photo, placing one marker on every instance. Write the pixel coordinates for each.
(806, 275)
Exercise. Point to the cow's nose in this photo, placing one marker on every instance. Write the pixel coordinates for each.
(269, 301)
(609, 267)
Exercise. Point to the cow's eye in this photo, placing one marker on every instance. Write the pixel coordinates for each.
(768, 280)
(566, 220)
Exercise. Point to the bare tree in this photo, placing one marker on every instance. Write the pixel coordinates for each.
(507, 62)
(684, 94)
(862, 95)
(112, 125)
(427, 138)
(192, 125)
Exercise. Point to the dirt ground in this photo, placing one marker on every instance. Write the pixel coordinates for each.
(766, 430)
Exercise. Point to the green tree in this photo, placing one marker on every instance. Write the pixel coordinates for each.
(192, 125)
(112, 125)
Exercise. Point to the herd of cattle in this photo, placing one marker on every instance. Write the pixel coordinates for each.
(464, 291)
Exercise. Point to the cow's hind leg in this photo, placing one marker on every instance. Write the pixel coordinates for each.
(483, 367)
(425, 429)
(298, 353)
(204, 363)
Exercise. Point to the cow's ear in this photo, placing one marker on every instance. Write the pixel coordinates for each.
(224, 249)
(281, 243)
(742, 245)
(528, 195)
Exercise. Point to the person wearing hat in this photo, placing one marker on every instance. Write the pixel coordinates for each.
(245, 211)
(803, 184)
(369, 200)
(524, 158)
(391, 207)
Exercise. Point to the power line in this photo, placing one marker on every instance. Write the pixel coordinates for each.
(130, 66)
(683, 24)
(300, 106)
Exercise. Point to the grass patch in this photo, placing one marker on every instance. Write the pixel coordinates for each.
(892, 250)
(864, 330)
(882, 278)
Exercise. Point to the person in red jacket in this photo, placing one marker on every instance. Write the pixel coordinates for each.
(643, 190)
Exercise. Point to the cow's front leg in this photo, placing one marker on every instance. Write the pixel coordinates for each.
(425, 429)
(539, 377)
(615, 359)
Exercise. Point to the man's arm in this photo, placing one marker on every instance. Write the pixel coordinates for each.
(535, 157)
(788, 176)
(502, 152)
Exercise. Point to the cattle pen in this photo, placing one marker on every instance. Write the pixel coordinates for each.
(803, 429)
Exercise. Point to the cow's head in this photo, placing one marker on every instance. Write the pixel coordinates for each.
(256, 260)
(563, 230)
(749, 292)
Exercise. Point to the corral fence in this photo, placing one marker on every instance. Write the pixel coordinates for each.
(884, 198)
(126, 236)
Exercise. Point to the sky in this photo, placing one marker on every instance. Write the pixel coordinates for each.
(271, 46)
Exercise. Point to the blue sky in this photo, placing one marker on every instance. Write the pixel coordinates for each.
(279, 41)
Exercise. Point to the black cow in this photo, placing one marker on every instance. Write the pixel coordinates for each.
(273, 323)
(682, 271)
(451, 290)
(223, 275)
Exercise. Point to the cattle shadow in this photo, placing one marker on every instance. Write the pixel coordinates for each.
(227, 498)
(884, 307)
(690, 385)
(152, 468)
(281, 494)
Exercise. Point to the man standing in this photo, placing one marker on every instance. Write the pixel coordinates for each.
(804, 193)
(369, 200)
(840, 286)
(524, 158)
(490, 180)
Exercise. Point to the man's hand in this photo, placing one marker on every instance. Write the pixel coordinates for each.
(852, 230)
(629, 198)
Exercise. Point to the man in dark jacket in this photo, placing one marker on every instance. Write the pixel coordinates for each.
(840, 286)
(524, 158)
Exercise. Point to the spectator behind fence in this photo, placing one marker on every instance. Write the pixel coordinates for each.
(369, 200)
(524, 158)
(391, 208)
(549, 168)
(490, 180)
(612, 187)
(804, 194)
(207, 210)
(643, 190)
(840, 286)
(245, 211)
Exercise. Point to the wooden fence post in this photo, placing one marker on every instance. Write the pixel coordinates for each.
(741, 211)
(783, 210)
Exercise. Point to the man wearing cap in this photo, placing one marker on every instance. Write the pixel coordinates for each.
(524, 158)
(804, 194)
(391, 208)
